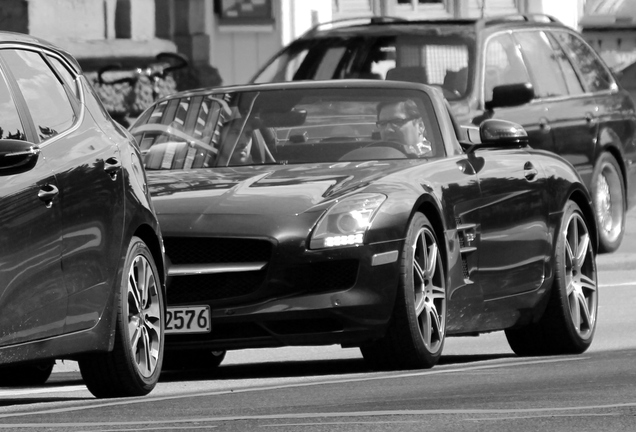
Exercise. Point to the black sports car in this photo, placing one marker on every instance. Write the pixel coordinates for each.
(358, 213)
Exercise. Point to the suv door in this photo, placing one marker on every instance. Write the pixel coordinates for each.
(87, 166)
(32, 293)
(570, 112)
(503, 64)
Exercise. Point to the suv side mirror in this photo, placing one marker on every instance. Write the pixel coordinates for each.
(17, 156)
(509, 95)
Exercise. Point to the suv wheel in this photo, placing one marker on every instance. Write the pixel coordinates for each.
(608, 195)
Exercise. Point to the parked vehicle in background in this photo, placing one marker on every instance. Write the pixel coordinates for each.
(529, 69)
(81, 263)
(347, 212)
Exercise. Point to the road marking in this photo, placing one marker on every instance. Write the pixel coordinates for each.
(60, 389)
(617, 284)
(549, 411)
(436, 371)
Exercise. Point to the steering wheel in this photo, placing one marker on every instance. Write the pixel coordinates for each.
(396, 145)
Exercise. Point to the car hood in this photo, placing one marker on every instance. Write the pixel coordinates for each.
(271, 189)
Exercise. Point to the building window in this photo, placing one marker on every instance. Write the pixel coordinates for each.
(420, 9)
(245, 11)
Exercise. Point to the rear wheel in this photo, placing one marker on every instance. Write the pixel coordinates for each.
(568, 324)
(193, 360)
(417, 331)
(608, 195)
(132, 368)
(26, 375)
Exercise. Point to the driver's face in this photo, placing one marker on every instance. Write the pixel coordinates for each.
(396, 127)
(241, 153)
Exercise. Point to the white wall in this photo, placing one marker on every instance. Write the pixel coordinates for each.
(567, 11)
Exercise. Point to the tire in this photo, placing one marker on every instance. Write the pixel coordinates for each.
(193, 360)
(26, 375)
(608, 196)
(133, 367)
(568, 324)
(417, 330)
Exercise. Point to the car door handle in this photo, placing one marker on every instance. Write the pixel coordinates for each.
(47, 193)
(590, 119)
(112, 165)
(530, 172)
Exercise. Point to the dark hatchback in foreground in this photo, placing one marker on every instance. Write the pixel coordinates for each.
(529, 69)
(291, 218)
(81, 263)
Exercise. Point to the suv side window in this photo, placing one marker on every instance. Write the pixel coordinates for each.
(547, 77)
(595, 76)
(504, 64)
(569, 74)
(44, 94)
(10, 124)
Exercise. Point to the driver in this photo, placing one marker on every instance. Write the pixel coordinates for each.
(402, 122)
(238, 135)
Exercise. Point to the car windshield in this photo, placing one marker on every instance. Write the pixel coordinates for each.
(291, 126)
(442, 58)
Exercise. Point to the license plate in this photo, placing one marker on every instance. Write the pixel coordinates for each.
(188, 319)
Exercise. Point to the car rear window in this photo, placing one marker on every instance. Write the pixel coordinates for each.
(445, 59)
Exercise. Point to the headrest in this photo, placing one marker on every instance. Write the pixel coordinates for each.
(416, 74)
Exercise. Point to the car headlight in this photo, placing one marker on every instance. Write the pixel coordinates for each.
(346, 222)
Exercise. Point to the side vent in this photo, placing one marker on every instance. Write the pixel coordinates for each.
(467, 234)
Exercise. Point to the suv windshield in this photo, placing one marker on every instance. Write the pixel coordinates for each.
(436, 57)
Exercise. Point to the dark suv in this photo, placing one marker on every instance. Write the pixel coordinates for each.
(529, 69)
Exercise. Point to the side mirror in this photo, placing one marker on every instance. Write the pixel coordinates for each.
(495, 133)
(17, 156)
(510, 95)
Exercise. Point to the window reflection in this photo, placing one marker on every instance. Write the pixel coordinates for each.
(10, 124)
(46, 99)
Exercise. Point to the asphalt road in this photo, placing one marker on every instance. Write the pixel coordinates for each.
(478, 385)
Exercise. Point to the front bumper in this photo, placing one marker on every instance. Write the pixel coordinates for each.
(300, 297)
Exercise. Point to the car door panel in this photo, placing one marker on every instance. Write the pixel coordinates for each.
(91, 194)
(515, 241)
(93, 219)
(32, 292)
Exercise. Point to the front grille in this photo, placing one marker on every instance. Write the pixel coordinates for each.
(208, 287)
(203, 288)
(216, 250)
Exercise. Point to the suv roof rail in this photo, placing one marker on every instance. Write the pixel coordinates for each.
(539, 18)
(354, 20)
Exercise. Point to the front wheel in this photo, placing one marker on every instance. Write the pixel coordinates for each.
(133, 367)
(417, 331)
(569, 321)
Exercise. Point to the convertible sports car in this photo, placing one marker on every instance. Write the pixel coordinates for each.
(291, 217)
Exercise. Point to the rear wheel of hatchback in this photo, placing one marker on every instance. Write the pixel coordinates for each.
(133, 367)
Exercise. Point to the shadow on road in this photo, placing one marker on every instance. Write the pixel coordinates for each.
(284, 369)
